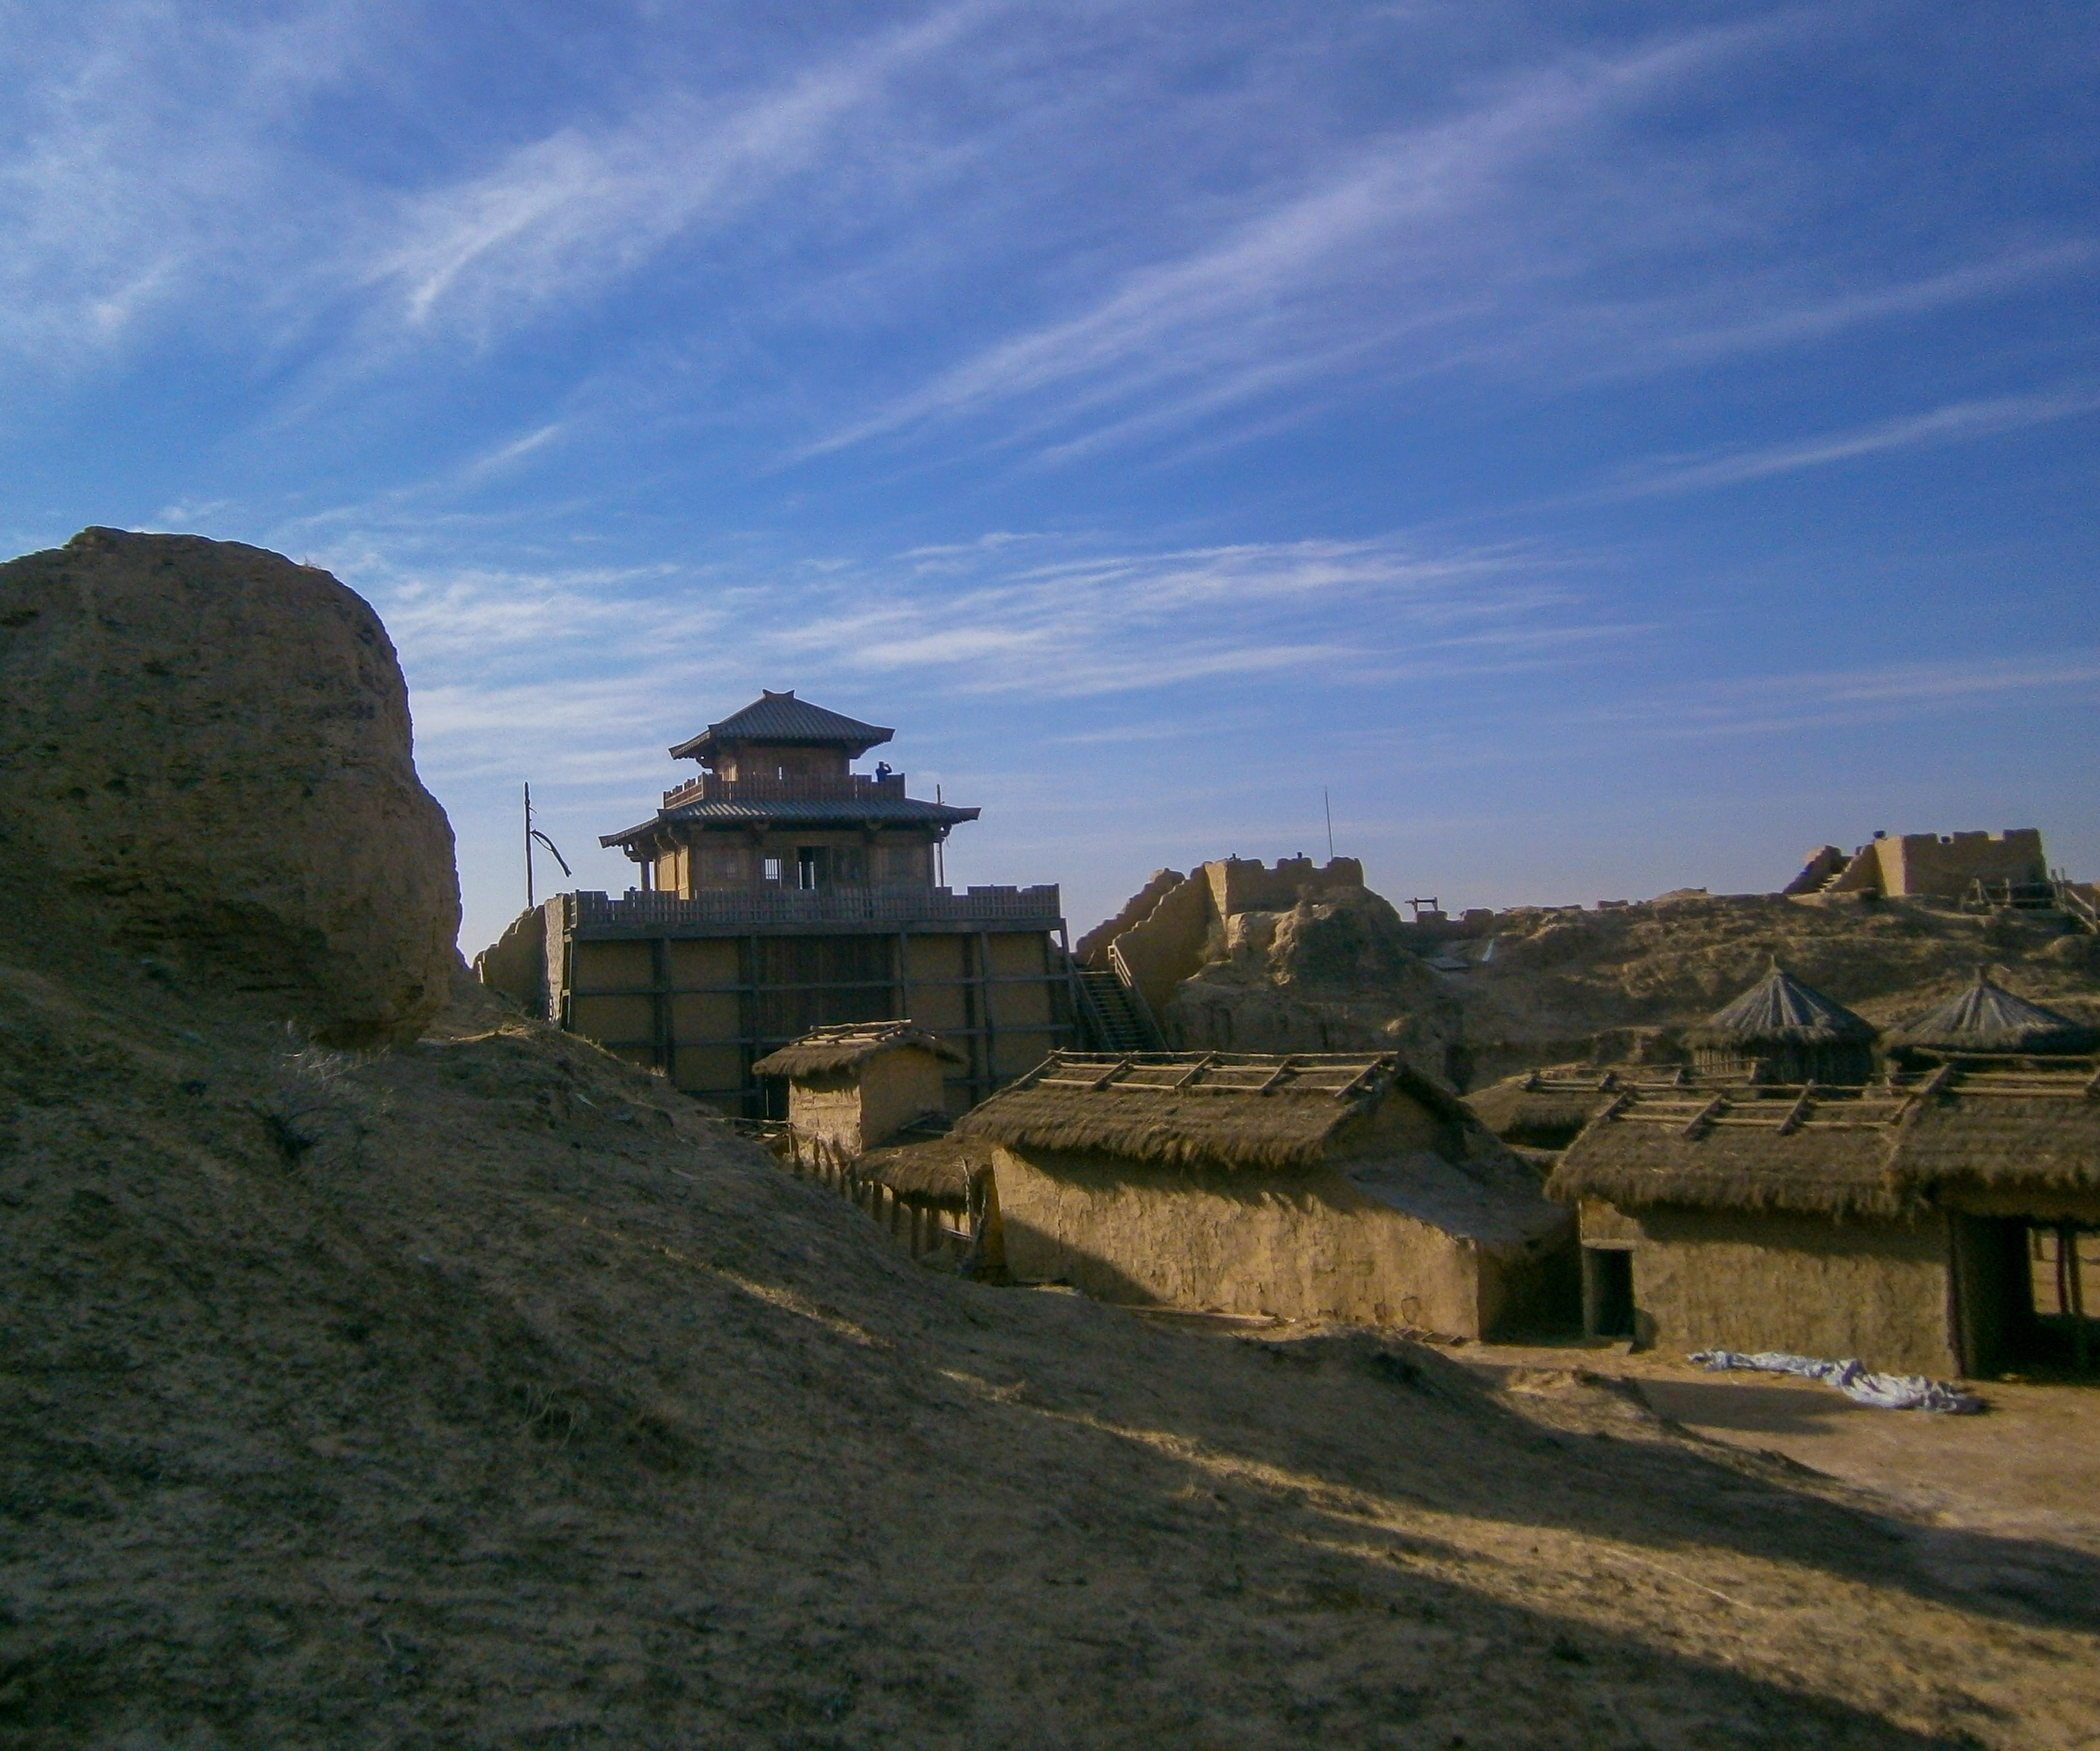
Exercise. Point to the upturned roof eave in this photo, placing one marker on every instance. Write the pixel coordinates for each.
(914, 814)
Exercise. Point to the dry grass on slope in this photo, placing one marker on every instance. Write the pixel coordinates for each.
(483, 1393)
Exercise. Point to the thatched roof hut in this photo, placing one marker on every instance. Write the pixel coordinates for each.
(1313, 1185)
(1890, 1221)
(1986, 1019)
(1213, 1110)
(1738, 1146)
(2001, 1125)
(834, 1051)
(857, 1085)
(1547, 1110)
(1787, 1032)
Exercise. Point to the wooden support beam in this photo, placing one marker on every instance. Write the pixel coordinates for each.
(1712, 1110)
(1798, 1111)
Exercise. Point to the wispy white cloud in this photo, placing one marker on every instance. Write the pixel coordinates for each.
(579, 210)
(1313, 285)
(1831, 699)
(1958, 422)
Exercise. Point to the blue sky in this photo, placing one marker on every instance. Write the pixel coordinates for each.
(1606, 447)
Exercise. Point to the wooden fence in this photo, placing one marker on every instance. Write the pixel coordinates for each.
(924, 1230)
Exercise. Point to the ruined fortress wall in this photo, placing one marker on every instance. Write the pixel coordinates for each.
(516, 962)
(1928, 863)
(1239, 885)
(1167, 947)
(1092, 949)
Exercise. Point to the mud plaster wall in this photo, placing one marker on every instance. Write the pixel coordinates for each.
(1307, 1246)
(862, 1109)
(1748, 1279)
(516, 962)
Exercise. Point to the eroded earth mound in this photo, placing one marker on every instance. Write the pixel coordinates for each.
(211, 744)
(1542, 985)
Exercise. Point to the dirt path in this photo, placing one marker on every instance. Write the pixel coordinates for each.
(2030, 1467)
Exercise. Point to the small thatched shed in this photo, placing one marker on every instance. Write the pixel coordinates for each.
(1898, 1221)
(850, 1088)
(940, 1199)
(1307, 1186)
(1781, 1031)
(1988, 1019)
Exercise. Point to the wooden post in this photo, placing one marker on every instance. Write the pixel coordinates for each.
(990, 1020)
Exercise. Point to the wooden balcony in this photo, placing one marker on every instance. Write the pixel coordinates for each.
(854, 787)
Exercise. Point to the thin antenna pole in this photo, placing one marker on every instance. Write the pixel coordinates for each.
(1329, 807)
(528, 846)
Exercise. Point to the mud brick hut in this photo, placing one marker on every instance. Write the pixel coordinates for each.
(857, 1085)
(1313, 1186)
(1781, 1031)
(1915, 1222)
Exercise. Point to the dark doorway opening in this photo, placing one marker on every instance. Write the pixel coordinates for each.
(2025, 1290)
(2063, 1259)
(1607, 1292)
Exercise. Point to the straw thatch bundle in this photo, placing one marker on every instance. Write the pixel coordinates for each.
(1715, 1145)
(2005, 1124)
(832, 1051)
(1546, 1108)
(1986, 1018)
(937, 1172)
(1245, 1110)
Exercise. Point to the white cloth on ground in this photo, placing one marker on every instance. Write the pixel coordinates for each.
(1854, 1379)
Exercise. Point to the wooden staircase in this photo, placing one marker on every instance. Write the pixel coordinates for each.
(1113, 1017)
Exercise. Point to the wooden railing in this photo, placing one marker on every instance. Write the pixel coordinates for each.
(853, 787)
(824, 906)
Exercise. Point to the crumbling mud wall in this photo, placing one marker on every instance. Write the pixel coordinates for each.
(1939, 864)
(516, 962)
(211, 745)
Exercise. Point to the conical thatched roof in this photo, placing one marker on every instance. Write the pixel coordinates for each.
(1780, 1007)
(1988, 1018)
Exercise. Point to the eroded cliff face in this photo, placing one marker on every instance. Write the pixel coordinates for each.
(1332, 974)
(1541, 985)
(211, 746)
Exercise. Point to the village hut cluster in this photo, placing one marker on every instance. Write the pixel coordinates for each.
(1919, 1201)
(1300, 1187)
(1799, 1182)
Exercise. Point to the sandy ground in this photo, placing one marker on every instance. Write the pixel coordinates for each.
(485, 1393)
(2029, 1467)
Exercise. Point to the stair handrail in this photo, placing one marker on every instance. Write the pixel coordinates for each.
(1154, 1039)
